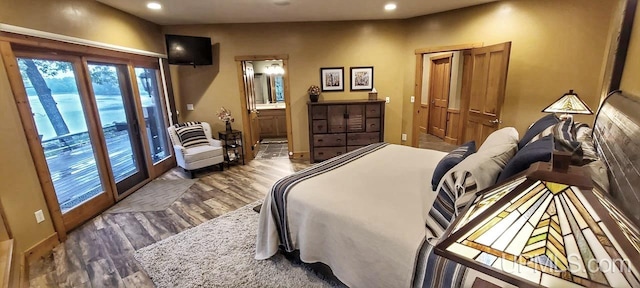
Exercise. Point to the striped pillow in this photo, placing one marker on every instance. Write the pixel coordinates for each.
(564, 138)
(192, 135)
(446, 205)
(452, 159)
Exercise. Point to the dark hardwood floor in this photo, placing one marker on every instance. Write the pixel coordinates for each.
(100, 252)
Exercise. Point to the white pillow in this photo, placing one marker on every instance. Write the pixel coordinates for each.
(486, 165)
(505, 135)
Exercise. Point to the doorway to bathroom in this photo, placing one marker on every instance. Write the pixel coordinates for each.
(267, 121)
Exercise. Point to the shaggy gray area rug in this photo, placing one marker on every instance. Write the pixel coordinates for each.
(157, 195)
(219, 253)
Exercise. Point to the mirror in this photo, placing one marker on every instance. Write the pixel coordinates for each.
(269, 81)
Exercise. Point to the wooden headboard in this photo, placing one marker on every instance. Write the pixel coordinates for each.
(617, 138)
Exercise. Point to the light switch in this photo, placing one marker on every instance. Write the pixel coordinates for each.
(39, 216)
(190, 107)
(413, 99)
(388, 99)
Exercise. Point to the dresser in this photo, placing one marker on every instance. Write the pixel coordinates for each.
(337, 127)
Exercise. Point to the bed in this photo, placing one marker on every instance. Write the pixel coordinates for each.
(374, 222)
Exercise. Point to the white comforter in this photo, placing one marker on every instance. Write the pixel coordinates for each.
(366, 220)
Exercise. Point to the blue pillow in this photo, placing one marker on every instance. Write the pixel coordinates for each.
(542, 123)
(540, 150)
(452, 159)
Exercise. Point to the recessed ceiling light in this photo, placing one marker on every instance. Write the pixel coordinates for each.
(154, 6)
(390, 7)
(282, 2)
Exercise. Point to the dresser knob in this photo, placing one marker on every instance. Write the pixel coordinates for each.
(320, 153)
(320, 140)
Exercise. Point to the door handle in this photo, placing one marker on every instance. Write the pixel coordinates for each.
(495, 121)
(136, 129)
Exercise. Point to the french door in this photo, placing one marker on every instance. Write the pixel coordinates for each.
(111, 89)
(88, 120)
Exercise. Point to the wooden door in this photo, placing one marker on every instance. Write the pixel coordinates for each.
(250, 92)
(486, 88)
(439, 86)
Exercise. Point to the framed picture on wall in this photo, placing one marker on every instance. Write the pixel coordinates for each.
(332, 79)
(361, 78)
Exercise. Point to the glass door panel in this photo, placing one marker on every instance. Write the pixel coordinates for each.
(119, 124)
(151, 100)
(58, 113)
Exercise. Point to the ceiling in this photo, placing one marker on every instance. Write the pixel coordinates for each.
(176, 12)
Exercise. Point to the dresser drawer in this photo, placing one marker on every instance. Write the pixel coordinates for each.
(329, 140)
(373, 110)
(320, 154)
(318, 112)
(363, 138)
(319, 126)
(373, 124)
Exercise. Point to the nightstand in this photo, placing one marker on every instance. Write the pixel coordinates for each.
(232, 145)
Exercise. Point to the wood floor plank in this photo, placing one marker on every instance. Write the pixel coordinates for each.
(133, 230)
(100, 253)
(158, 232)
(119, 248)
(138, 280)
(103, 274)
(183, 224)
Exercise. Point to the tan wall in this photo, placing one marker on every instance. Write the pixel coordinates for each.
(631, 76)
(84, 19)
(21, 193)
(556, 46)
(310, 46)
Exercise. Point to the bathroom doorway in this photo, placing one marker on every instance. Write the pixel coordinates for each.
(264, 92)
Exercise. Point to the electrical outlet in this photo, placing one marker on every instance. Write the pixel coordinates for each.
(388, 99)
(39, 216)
(404, 137)
(413, 99)
(190, 107)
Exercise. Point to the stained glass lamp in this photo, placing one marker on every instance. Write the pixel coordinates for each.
(569, 103)
(546, 227)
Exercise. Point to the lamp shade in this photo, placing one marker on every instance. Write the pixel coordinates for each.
(569, 103)
(546, 228)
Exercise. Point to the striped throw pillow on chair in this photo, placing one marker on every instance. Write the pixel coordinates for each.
(192, 135)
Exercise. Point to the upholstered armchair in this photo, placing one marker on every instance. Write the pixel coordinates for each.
(194, 146)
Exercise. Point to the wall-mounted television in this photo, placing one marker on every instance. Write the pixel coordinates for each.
(189, 50)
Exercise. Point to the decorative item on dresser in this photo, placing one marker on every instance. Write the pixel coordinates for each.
(314, 93)
(337, 127)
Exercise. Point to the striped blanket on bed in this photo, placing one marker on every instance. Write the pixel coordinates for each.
(431, 270)
(281, 188)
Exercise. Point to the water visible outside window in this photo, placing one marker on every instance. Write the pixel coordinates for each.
(60, 121)
(148, 87)
(113, 117)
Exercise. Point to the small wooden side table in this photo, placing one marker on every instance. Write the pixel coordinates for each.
(232, 146)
